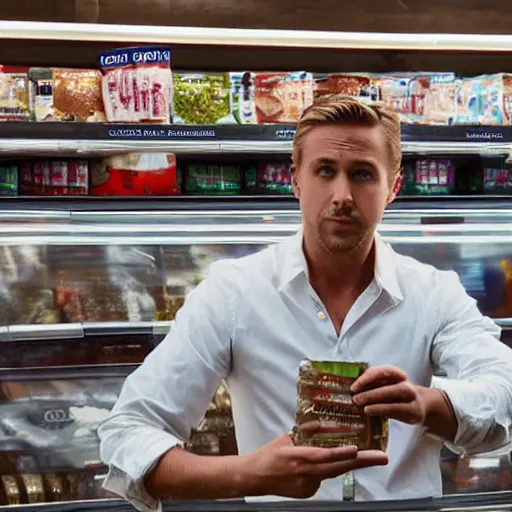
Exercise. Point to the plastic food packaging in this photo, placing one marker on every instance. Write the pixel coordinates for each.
(394, 93)
(274, 178)
(429, 177)
(201, 99)
(326, 414)
(485, 100)
(497, 175)
(54, 177)
(14, 96)
(282, 97)
(213, 179)
(66, 95)
(361, 87)
(137, 85)
(241, 100)
(8, 179)
(135, 174)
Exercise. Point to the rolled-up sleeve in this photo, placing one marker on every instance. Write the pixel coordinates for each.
(167, 396)
(478, 368)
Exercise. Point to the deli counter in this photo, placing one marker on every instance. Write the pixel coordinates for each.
(87, 294)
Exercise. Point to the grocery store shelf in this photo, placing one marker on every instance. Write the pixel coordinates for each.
(88, 139)
(206, 36)
(62, 208)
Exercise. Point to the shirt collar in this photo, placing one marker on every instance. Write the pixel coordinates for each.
(294, 264)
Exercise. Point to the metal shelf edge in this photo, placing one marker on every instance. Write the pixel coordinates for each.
(218, 36)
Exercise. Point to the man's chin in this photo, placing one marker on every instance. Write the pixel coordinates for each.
(342, 245)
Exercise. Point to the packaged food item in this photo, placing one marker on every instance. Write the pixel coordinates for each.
(440, 99)
(326, 414)
(282, 97)
(275, 178)
(201, 98)
(497, 175)
(394, 93)
(137, 85)
(9, 179)
(54, 177)
(60, 94)
(429, 177)
(14, 99)
(357, 86)
(11, 490)
(78, 178)
(241, 100)
(485, 100)
(135, 174)
(224, 179)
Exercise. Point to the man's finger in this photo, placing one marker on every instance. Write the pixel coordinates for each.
(406, 413)
(323, 455)
(378, 376)
(365, 459)
(402, 392)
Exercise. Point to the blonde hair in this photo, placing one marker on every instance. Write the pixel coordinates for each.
(347, 110)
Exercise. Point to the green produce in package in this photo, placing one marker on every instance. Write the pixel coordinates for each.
(201, 99)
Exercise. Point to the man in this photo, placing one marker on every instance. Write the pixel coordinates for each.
(333, 291)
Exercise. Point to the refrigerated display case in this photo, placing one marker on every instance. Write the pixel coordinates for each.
(89, 285)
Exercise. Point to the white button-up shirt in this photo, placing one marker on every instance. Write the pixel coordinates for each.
(254, 319)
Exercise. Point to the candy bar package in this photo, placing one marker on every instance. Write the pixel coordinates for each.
(14, 95)
(282, 97)
(137, 85)
(200, 98)
(60, 94)
(135, 174)
(326, 414)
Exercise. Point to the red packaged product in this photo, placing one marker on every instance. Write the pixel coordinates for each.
(137, 85)
(78, 177)
(135, 174)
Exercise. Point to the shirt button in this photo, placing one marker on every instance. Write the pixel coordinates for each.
(321, 316)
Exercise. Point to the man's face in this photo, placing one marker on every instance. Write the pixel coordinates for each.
(343, 184)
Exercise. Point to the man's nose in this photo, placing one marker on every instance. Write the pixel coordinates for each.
(341, 190)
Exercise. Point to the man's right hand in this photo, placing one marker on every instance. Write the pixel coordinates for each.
(282, 469)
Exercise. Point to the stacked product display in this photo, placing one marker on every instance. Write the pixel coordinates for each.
(89, 286)
(136, 85)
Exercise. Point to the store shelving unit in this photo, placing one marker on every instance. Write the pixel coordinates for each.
(168, 242)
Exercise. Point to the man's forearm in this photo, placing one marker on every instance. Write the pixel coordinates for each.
(440, 418)
(183, 475)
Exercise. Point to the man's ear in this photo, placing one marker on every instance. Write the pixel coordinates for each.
(397, 185)
(295, 182)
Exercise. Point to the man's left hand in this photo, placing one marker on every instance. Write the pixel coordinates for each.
(387, 392)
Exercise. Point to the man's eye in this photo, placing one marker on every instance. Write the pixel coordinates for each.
(361, 174)
(326, 172)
